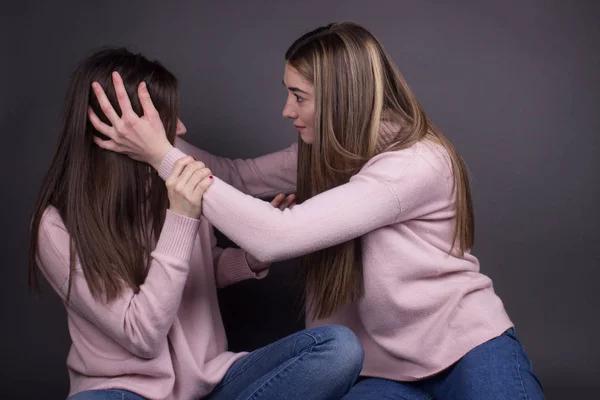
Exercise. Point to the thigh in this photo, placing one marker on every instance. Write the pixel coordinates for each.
(496, 370)
(384, 389)
(253, 367)
(109, 394)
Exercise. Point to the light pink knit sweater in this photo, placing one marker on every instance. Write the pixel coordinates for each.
(423, 309)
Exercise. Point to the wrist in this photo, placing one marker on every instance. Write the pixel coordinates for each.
(156, 160)
(255, 265)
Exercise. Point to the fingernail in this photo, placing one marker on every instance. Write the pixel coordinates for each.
(210, 176)
(95, 85)
(143, 85)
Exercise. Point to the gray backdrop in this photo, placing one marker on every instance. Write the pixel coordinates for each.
(513, 83)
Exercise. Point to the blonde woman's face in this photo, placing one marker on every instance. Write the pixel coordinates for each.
(299, 104)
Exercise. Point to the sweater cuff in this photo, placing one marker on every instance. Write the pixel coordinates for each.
(259, 269)
(238, 269)
(166, 166)
(178, 236)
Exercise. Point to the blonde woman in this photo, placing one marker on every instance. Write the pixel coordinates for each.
(384, 223)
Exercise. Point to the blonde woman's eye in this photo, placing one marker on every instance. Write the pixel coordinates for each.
(299, 99)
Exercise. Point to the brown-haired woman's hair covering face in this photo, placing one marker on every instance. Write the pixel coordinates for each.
(112, 206)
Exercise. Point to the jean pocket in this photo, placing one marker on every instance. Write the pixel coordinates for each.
(511, 333)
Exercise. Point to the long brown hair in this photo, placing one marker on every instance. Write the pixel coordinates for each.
(357, 86)
(112, 206)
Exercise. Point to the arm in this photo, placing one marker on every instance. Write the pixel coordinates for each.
(389, 189)
(393, 187)
(139, 322)
(333, 217)
(235, 265)
(260, 177)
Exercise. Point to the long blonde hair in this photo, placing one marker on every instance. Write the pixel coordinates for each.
(357, 86)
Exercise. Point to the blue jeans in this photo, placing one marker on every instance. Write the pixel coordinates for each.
(110, 394)
(317, 363)
(496, 370)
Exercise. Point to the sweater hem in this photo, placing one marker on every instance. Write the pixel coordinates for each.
(373, 373)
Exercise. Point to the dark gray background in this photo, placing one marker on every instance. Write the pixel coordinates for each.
(513, 83)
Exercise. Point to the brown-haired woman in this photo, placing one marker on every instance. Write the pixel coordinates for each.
(138, 268)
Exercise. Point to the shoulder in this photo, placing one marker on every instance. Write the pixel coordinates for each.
(424, 158)
(51, 222)
(53, 239)
(420, 176)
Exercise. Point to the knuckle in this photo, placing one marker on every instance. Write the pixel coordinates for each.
(121, 127)
(128, 118)
(185, 160)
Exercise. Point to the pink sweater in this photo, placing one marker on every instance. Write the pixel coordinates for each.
(423, 309)
(165, 342)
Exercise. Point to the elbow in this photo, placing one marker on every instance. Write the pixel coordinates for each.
(146, 344)
(149, 349)
(271, 255)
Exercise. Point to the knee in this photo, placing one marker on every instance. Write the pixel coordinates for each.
(347, 351)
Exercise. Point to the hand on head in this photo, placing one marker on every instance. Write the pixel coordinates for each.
(141, 138)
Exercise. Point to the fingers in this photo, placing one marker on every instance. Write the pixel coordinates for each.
(197, 176)
(202, 186)
(287, 202)
(122, 96)
(146, 101)
(276, 202)
(282, 202)
(99, 125)
(187, 173)
(108, 145)
(105, 105)
(177, 170)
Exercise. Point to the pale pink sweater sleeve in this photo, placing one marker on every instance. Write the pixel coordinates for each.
(389, 187)
(232, 265)
(333, 217)
(263, 176)
(139, 322)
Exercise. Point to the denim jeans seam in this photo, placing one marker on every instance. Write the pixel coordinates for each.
(294, 361)
(516, 353)
(316, 342)
(245, 367)
(248, 365)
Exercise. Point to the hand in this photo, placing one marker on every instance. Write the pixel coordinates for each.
(282, 202)
(186, 185)
(143, 139)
